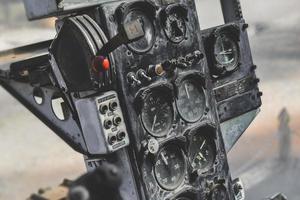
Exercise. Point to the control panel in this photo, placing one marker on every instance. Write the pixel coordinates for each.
(112, 120)
(166, 85)
(144, 72)
(103, 119)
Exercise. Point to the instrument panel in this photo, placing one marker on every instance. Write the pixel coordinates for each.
(148, 90)
(167, 92)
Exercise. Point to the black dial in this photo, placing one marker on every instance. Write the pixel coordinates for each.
(226, 52)
(170, 167)
(219, 193)
(157, 114)
(191, 101)
(202, 153)
(175, 27)
(145, 43)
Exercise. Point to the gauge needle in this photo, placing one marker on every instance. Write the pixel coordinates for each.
(164, 159)
(202, 144)
(229, 51)
(187, 91)
(201, 156)
(154, 121)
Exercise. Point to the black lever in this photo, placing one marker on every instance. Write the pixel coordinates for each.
(102, 183)
(129, 32)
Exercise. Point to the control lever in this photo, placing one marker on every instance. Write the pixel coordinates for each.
(102, 183)
(129, 32)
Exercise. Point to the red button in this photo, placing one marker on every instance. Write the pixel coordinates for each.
(101, 63)
(105, 64)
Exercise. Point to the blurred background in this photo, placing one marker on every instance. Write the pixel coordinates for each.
(267, 157)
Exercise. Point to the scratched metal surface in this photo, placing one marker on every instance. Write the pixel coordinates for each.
(33, 157)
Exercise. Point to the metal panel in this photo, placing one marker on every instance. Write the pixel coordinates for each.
(37, 9)
(233, 129)
(231, 10)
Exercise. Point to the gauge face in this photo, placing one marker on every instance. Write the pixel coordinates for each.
(175, 27)
(202, 153)
(219, 193)
(145, 43)
(226, 52)
(191, 101)
(170, 167)
(157, 114)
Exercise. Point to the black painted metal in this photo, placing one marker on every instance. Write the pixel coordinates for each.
(231, 10)
(68, 130)
(227, 96)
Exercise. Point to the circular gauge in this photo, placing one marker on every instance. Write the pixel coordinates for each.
(145, 43)
(202, 153)
(226, 52)
(190, 101)
(157, 114)
(170, 167)
(175, 27)
(219, 193)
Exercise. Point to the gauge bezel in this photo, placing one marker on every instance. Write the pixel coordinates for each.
(232, 32)
(219, 187)
(179, 148)
(164, 89)
(171, 9)
(207, 131)
(198, 80)
(188, 194)
(148, 9)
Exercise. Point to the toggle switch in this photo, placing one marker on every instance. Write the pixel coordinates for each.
(131, 78)
(141, 74)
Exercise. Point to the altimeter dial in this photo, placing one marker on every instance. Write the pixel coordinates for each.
(202, 153)
(191, 101)
(157, 114)
(170, 167)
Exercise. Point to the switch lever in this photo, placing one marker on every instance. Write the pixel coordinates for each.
(141, 74)
(131, 78)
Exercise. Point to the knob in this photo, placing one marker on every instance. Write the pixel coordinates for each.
(121, 135)
(156, 70)
(107, 123)
(181, 63)
(117, 120)
(169, 65)
(112, 139)
(103, 109)
(113, 105)
(198, 56)
(189, 57)
(131, 78)
(101, 63)
(141, 74)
